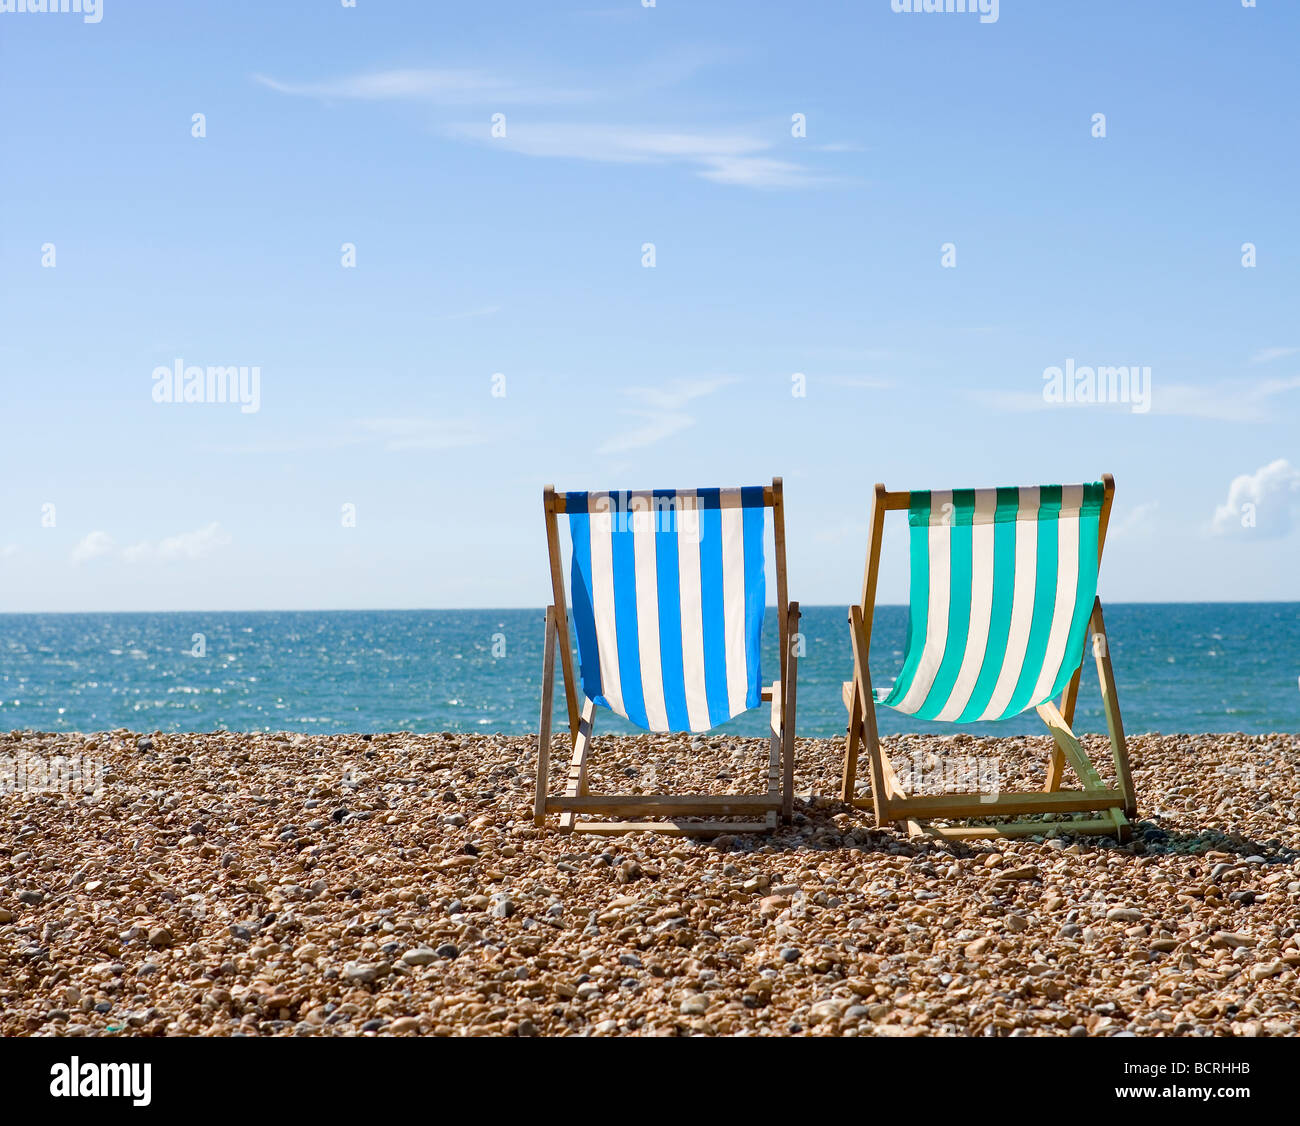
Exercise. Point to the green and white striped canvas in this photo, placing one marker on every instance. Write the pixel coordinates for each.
(1003, 582)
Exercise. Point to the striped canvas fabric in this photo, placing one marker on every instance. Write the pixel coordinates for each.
(668, 595)
(1003, 582)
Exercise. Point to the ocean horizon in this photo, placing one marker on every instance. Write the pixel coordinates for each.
(1180, 667)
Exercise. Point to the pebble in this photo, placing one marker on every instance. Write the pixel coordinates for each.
(422, 956)
(386, 909)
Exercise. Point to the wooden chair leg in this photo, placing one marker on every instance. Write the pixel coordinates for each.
(849, 777)
(1110, 703)
(1055, 771)
(865, 706)
(544, 736)
(577, 781)
(788, 716)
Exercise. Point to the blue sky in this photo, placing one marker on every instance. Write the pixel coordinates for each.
(522, 255)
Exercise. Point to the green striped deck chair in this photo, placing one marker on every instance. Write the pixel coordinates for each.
(667, 601)
(1003, 600)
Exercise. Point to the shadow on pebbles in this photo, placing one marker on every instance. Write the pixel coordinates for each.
(351, 885)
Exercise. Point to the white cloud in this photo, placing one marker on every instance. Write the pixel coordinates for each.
(676, 393)
(653, 427)
(186, 546)
(1263, 503)
(1268, 355)
(1239, 401)
(1225, 402)
(442, 86)
(92, 547)
(8, 551)
(744, 158)
(662, 412)
(723, 158)
(476, 86)
(422, 433)
(1139, 518)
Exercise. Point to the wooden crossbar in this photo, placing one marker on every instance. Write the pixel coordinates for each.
(770, 497)
(667, 805)
(671, 828)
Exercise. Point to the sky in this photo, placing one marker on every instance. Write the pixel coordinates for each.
(701, 245)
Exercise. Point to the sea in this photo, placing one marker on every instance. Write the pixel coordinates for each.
(1180, 668)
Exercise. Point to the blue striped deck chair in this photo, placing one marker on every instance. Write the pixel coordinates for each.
(1003, 599)
(667, 595)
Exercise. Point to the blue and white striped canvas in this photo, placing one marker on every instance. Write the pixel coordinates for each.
(668, 594)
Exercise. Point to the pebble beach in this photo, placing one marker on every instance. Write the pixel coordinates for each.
(293, 885)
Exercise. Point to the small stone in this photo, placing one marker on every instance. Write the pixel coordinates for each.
(6, 916)
(421, 956)
(404, 1024)
(1124, 915)
(824, 1011)
(31, 898)
(695, 1005)
(448, 950)
(1030, 872)
(160, 938)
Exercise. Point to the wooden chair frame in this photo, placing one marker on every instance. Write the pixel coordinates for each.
(576, 799)
(1114, 807)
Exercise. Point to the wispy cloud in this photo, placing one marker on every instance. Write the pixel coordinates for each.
(8, 551)
(1268, 355)
(423, 433)
(746, 158)
(1264, 503)
(460, 86)
(1237, 401)
(441, 86)
(186, 546)
(661, 413)
(1228, 402)
(727, 157)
